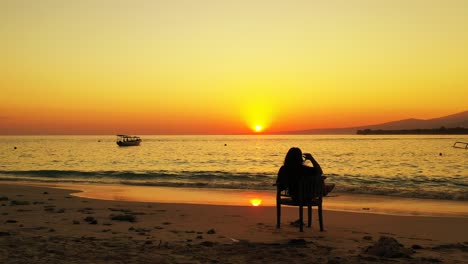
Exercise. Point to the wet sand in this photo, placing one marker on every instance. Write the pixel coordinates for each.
(50, 225)
(335, 201)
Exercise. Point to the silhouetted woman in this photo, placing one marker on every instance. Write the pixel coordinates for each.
(293, 168)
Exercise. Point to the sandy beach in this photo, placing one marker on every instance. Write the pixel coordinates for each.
(50, 225)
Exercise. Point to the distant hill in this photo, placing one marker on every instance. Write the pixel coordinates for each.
(431, 131)
(450, 121)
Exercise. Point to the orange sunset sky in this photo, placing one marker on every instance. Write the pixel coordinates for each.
(224, 67)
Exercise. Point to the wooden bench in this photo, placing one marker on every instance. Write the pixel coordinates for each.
(310, 193)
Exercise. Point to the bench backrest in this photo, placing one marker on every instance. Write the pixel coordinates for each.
(306, 189)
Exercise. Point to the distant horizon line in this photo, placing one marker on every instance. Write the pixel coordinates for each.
(228, 134)
(239, 134)
(317, 131)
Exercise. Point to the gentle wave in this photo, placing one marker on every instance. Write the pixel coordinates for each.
(421, 187)
(412, 193)
(135, 175)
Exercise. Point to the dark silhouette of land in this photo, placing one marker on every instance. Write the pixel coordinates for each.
(435, 131)
(458, 120)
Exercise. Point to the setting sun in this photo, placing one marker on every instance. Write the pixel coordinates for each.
(258, 128)
(256, 202)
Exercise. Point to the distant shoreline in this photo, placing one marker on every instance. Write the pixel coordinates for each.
(434, 131)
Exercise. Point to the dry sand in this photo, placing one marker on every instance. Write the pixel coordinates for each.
(45, 225)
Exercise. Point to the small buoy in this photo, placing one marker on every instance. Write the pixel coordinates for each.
(14, 147)
(225, 144)
(440, 154)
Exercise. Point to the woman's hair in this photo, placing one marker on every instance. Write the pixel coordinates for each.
(293, 157)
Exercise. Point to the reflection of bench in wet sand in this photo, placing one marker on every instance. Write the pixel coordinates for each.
(460, 144)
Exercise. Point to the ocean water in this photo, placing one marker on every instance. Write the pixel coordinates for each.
(405, 166)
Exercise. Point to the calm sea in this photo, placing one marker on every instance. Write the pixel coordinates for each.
(407, 166)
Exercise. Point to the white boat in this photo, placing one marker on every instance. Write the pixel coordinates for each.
(126, 140)
(460, 144)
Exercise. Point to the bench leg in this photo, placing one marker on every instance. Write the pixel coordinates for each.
(278, 215)
(309, 216)
(320, 217)
(301, 219)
